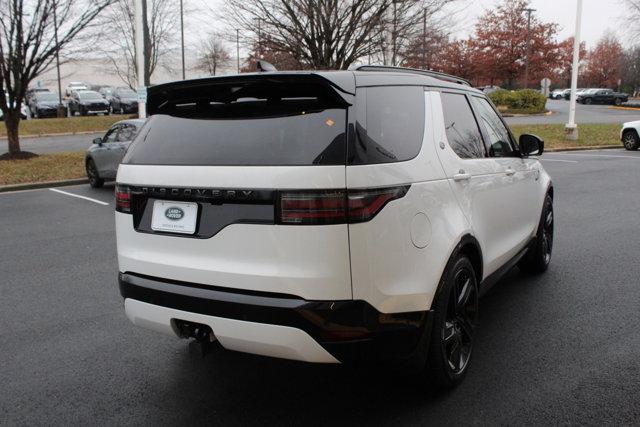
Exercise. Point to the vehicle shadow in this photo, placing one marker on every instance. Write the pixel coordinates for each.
(244, 389)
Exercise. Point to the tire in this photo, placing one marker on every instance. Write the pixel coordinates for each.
(83, 112)
(451, 343)
(630, 140)
(587, 101)
(617, 101)
(92, 173)
(538, 257)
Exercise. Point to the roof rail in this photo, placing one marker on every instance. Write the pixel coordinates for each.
(430, 73)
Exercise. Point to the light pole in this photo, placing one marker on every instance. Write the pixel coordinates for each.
(60, 111)
(526, 65)
(238, 48)
(182, 38)
(571, 129)
(139, 48)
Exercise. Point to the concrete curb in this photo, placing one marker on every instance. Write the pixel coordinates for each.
(634, 107)
(45, 184)
(41, 135)
(594, 147)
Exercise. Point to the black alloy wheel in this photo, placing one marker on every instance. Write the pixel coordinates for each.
(462, 311)
(454, 320)
(538, 257)
(547, 235)
(92, 173)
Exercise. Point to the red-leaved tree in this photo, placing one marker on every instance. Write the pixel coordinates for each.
(565, 61)
(500, 44)
(604, 63)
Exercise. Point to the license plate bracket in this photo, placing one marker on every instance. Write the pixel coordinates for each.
(174, 217)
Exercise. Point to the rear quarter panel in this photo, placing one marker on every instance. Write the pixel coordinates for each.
(397, 258)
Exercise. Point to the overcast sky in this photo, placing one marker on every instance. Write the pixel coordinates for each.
(598, 16)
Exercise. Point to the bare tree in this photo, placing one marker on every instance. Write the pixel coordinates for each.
(631, 69)
(28, 45)
(213, 55)
(411, 23)
(325, 34)
(118, 37)
(630, 17)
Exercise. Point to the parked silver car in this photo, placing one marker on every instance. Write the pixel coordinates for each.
(106, 153)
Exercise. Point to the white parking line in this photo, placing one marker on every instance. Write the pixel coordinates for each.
(558, 160)
(80, 197)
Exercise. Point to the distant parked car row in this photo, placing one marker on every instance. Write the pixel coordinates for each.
(79, 99)
(592, 96)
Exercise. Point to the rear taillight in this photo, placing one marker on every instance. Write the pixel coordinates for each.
(123, 199)
(318, 207)
(365, 204)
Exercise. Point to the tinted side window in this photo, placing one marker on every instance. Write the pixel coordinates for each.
(499, 143)
(462, 130)
(389, 125)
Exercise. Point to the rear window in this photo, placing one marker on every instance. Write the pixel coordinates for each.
(390, 124)
(261, 122)
(315, 138)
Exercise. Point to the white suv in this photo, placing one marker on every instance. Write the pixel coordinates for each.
(327, 216)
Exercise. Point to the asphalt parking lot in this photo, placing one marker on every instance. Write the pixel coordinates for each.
(560, 348)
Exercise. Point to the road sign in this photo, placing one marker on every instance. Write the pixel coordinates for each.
(142, 94)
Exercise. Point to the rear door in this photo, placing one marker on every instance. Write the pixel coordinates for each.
(521, 192)
(483, 184)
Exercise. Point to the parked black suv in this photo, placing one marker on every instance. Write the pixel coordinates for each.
(44, 104)
(123, 101)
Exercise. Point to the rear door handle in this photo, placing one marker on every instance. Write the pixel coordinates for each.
(461, 176)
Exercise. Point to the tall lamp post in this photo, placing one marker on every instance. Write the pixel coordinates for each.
(139, 48)
(571, 129)
(526, 65)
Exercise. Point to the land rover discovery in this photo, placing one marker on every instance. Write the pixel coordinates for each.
(327, 217)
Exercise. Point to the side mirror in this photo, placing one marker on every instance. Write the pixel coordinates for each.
(531, 145)
(97, 141)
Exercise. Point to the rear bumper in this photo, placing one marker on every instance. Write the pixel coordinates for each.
(276, 325)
